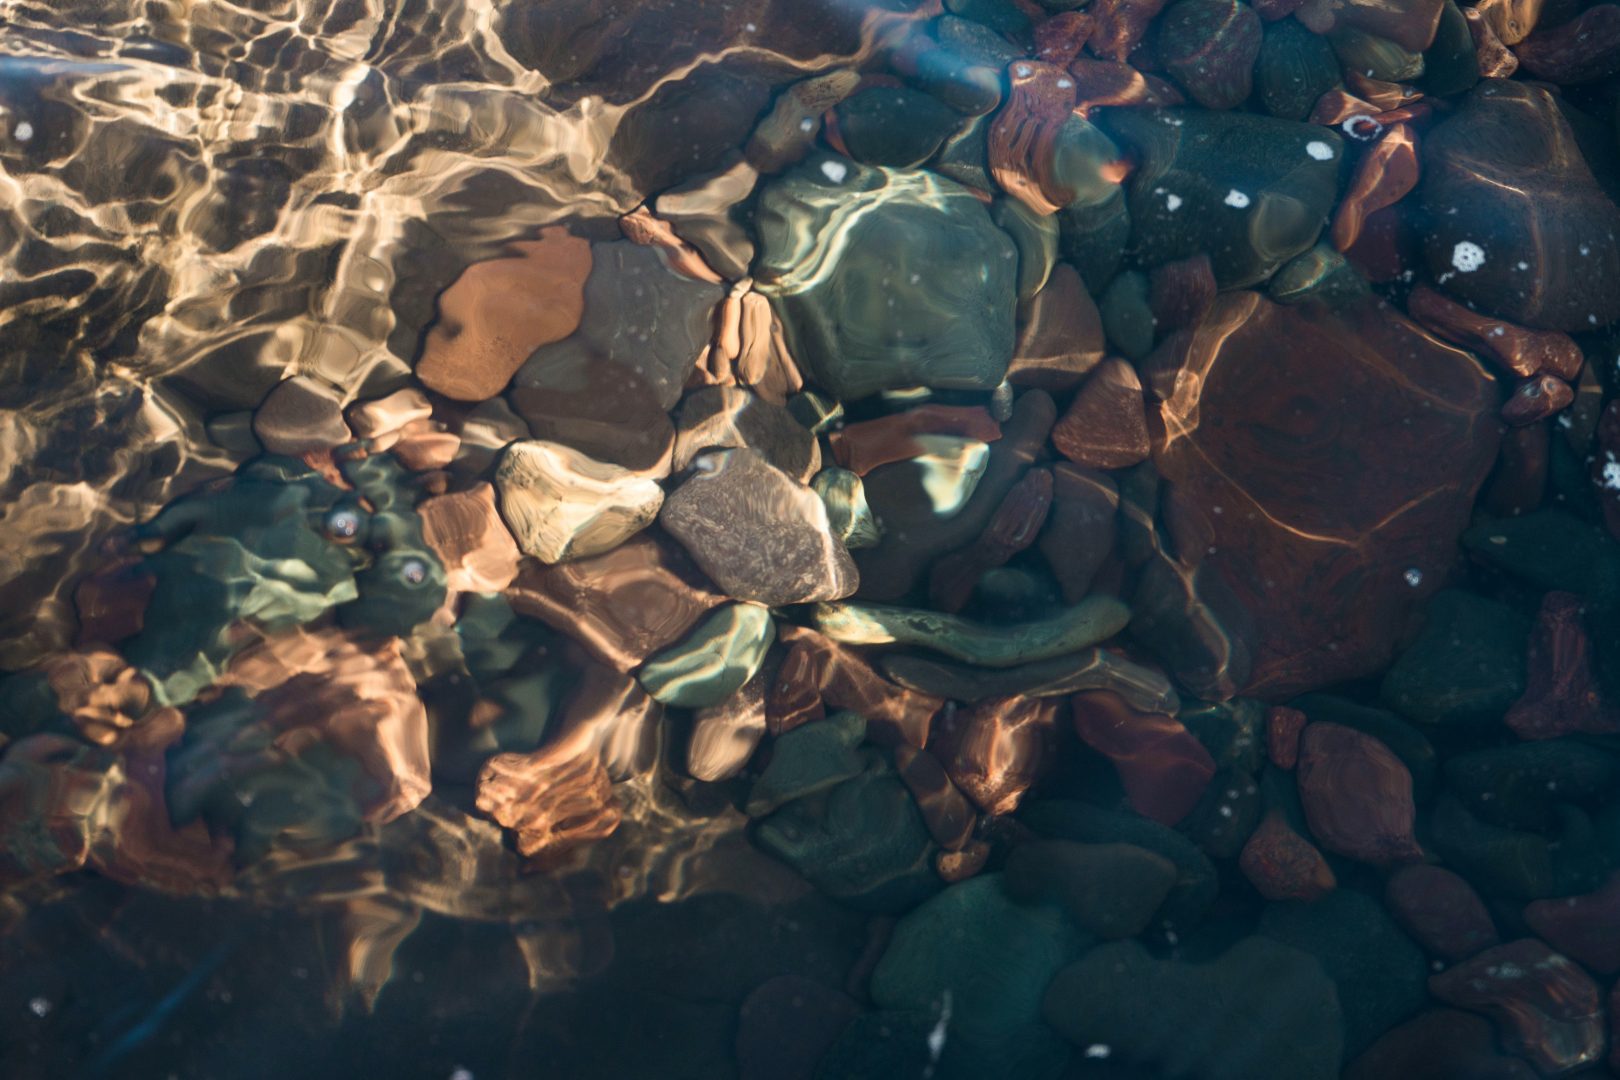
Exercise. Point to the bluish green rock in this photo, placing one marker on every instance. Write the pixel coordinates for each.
(810, 758)
(1465, 667)
(894, 126)
(713, 661)
(1551, 550)
(1127, 317)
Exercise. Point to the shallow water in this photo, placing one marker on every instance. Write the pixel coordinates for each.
(591, 539)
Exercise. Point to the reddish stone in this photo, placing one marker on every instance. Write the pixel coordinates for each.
(954, 866)
(1105, 426)
(1210, 47)
(1510, 20)
(1283, 865)
(1283, 726)
(1079, 533)
(1381, 94)
(1561, 695)
(795, 696)
(1059, 39)
(1584, 927)
(1303, 560)
(996, 749)
(1386, 250)
(1108, 83)
(1520, 479)
(1337, 106)
(1016, 523)
(1495, 60)
(111, 603)
(466, 531)
(864, 446)
(1410, 24)
(1383, 177)
(894, 715)
(1585, 49)
(552, 800)
(947, 812)
(1162, 766)
(1440, 1044)
(1536, 399)
(1357, 795)
(1440, 910)
(1060, 335)
(1180, 293)
(1121, 25)
(1518, 349)
(1023, 135)
(640, 226)
(1546, 1008)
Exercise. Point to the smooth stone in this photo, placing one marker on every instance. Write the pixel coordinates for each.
(1105, 426)
(1520, 786)
(848, 514)
(1450, 65)
(886, 279)
(1086, 623)
(1375, 57)
(1465, 667)
(1142, 687)
(1319, 274)
(1585, 49)
(787, 1025)
(1550, 549)
(1060, 334)
(1378, 970)
(1275, 1015)
(965, 156)
(994, 958)
(1163, 768)
(1094, 237)
(725, 736)
(1515, 864)
(818, 669)
(757, 533)
(1518, 350)
(1586, 928)
(1080, 528)
(862, 842)
(950, 816)
(1036, 236)
(994, 751)
(724, 417)
(1250, 190)
(1546, 1008)
(465, 531)
(1505, 185)
(812, 757)
(561, 504)
(894, 126)
(1013, 528)
(1403, 740)
(1561, 696)
(1110, 890)
(1295, 68)
(1180, 294)
(500, 310)
(817, 413)
(703, 212)
(1283, 865)
(566, 394)
(1440, 1044)
(1385, 174)
(869, 444)
(1120, 26)
(1314, 583)
(1002, 16)
(879, 1046)
(1127, 314)
(1441, 911)
(1357, 795)
(788, 131)
(713, 661)
(949, 468)
(1210, 48)
(301, 415)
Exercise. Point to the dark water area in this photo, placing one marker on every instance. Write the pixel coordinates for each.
(821, 539)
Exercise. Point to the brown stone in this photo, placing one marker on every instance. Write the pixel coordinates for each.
(1283, 726)
(1381, 94)
(1520, 480)
(600, 408)
(1080, 527)
(1180, 293)
(1283, 865)
(1561, 695)
(1586, 928)
(1060, 335)
(1060, 38)
(724, 736)
(99, 691)
(1121, 25)
(111, 603)
(1441, 911)
(1517, 349)
(726, 416)
(1511, 20)
(1495, 60)
(1411, 24)
(867, 444)
(465, 530)
(1100, 83)
(1439, 1044)
(783, 136)
(1163, 767)
(795, 695)
(1023, 136)
(1536, 399)
(640, 226)
(551, 801)
(1357, 795)
(1546, 1009)
(300, 416)
(1585, 49)
(1304, 559)
(996, 749)
(622, 606)
(1337, 107)
(949, 815)
(610, 716)
(1014, 527)
(1105, 426)
(954, 866)
(1384, 176)
(500, 310)
(894, 715)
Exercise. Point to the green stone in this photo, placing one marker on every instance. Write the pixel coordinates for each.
(1086, 623)
(1519, 786)
(1127, 317)
(810, 758)
(976, 36)
(1465, 667)
(1110, 890)
(1094, 669)
(1551, 550)
(713, 661)
(1319, 274)
(1295, 68)
(965, 157)
(894, 126)
(886, 278)
(1450, 65)
(1375, 57)
(1079, 152)
(993, 958)
(1516, 864)
(1037, 238)
(848, 514)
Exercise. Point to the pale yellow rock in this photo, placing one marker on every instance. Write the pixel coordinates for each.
(561, 504)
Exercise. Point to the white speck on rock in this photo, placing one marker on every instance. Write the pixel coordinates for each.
(936, 1037)
(807, 124)
(1064, 84)
(23, 132)
(1319, 150)
(1236, 198)
(1413, 577)
(834, 171)
(1099, 1050)
(1611, 476)
(39, 1007)
(1467, 256)
(1172, 202)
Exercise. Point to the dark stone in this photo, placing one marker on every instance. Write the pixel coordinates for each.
(1518, 786)
(1584, 927)
(1127, 317)
(1210, 47)
(1440, 910)
(1440, 1044)
(1407, 742)
(1295, 67)
(1110, 890)
(894, 126)
(1467, 665)
(1551, 550)
(880, 1046)
(786, 1027)
(1451, 64)
(810, 758)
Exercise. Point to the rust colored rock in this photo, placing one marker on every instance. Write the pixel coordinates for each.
(1381, 94)
(894, 715)
(1060, 335)
(1561, 695)
(1357, 795)
(1384, 176)
(1338, 106)
(1495, 60)
(995, 750)
(1105, 426)
(500, 310)
(101, 693)
(1162, 765)
(1283, 865)
(1585, 49)
(1511, 20)
(111, 603)
(1180, 293)
(1283, 726)
(1440, 1044)
(1108, 83)
(552, 802)
(868, 444)
(1060, 38)
(1586, 928)
(949, 815)
(1080, 529)
(1121, 25)
(1520, 480)
(1522, 351)
(640, 226)
(795, 695)
(1411, 24)
(465, 530)
(954, 866)
(622, 606)
(301, 415)
(1441, 911)
(1023, 135)
(1536, 399)
(1210, 47)
(1546, 1009)
(1311, 575)
(1015, 525)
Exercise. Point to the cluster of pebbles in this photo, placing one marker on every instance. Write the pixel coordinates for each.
(1124, 492)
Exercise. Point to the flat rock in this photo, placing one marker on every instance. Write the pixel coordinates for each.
(1105, 426)
(1546, 1008)
(1357, 795)
(1466, 666)
(300, 415)
(566, 394)
(722, 417)
(561, 504)
(713, 662)
(757, 533)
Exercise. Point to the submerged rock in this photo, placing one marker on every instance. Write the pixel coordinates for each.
(561, 504)
(714, 661)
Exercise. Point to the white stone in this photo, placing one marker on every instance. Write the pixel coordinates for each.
(561, 504)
